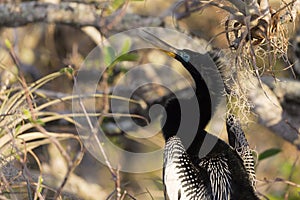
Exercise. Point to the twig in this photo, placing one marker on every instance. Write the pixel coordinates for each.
(25, 172)
(94, 134)
(253, 60)
(118, 17)
(280, 180)
(39, 184)
(149, 194)
(123, 195)
(118, 185)
(6, 184)
(70, 163)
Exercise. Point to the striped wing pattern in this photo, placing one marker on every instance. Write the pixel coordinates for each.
(238, 141)
(219, 176)
(183, 181)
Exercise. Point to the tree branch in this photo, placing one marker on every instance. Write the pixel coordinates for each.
(63, 13)
(272, 113)
(69, 13)
(288, 93)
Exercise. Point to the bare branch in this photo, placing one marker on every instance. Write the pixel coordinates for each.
(240, 5)
(288, 93)
(64, 13)
(69, 13)
(272, 115)
(265, 10)
(252, 7)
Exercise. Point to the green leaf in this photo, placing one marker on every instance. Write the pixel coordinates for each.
(27, 113)
(126, 46)
(17, 129)
(128, 57)
(8, 44)
(40, 122)
(68, 70)
(117, 4)
(109, 55)
(268, 153)
(40, 180)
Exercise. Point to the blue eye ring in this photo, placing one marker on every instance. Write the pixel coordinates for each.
(186, 57)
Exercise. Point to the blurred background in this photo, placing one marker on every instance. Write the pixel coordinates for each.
(30, 52)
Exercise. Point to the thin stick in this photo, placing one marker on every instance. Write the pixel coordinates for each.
(94, 133)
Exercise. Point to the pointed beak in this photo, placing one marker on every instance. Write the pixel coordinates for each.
(158, 43)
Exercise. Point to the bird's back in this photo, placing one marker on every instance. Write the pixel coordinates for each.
(228, 175)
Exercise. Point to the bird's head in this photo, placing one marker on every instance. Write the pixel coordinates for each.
(188, 59)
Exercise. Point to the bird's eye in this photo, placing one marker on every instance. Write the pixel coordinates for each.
(185, 56)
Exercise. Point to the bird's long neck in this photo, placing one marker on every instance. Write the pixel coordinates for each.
(201, 93)
(173, 109)
(204, 104)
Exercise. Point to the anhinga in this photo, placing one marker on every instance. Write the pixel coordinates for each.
(221, 173)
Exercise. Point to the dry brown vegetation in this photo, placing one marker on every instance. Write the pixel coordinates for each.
(43, 44)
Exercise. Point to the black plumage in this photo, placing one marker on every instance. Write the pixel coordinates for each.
(218, 175)
(221, 174)
(238, 141)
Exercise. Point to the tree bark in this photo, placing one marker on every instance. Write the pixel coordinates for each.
(278, 107)
(69, 13)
